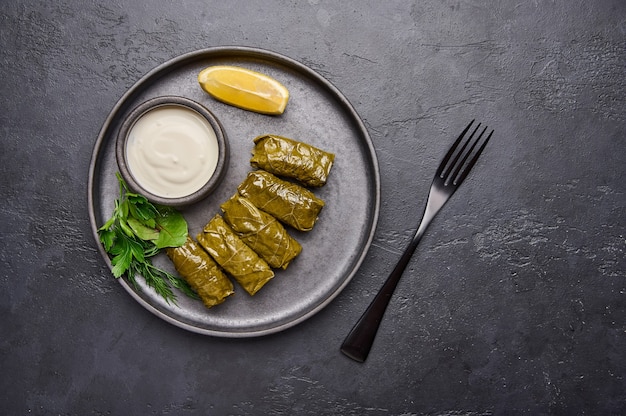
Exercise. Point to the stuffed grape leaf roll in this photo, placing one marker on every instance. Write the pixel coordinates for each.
(287, 157)
(261, 232)
(288, 202)
(235, 257)
(201, 272)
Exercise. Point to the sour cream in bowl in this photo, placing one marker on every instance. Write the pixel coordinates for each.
(172, 150)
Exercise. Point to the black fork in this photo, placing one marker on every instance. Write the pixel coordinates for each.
(451, 172)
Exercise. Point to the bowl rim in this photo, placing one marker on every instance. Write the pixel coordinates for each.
(163, 101)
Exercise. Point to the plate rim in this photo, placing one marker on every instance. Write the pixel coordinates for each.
(249, 52)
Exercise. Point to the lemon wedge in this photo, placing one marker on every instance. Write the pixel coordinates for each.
(244, 88)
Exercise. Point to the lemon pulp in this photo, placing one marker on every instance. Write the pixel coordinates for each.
(244, 88)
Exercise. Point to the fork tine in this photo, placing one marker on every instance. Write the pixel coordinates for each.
(448, 155)
(458, 179)
(451, 172)
(457, 166)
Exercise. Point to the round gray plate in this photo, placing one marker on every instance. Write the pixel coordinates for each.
(318, 114)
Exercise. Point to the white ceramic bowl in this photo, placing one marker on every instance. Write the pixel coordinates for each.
(190, 185)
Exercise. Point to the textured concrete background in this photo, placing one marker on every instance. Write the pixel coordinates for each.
(515, 301)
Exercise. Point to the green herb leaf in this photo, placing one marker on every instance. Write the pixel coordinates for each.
(107, 238)
(172, 229)
(136, 232)
(142, 231)
(142, 210)
(122, 254)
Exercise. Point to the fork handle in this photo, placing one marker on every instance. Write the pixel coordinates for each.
(359, 341)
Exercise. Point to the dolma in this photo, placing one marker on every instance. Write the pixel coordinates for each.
(261, 232)
(288, 202)
(201, 272)
(235, 257)
(286, 157)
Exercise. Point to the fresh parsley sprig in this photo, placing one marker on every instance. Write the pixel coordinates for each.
(136, 232)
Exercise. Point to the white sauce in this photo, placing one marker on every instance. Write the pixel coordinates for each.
(172, 151)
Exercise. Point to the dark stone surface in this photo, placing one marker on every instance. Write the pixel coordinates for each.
(515, 301)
